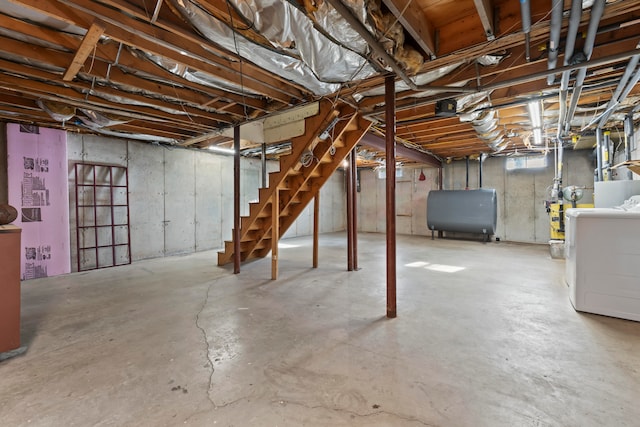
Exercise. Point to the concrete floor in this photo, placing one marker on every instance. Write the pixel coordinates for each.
(485, 336)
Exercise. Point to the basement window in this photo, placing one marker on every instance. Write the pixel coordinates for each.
(526, 162)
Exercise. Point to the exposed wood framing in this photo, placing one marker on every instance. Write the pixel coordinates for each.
(91, 38)
(415, 22)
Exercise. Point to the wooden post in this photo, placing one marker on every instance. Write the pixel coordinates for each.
(236, 200)
(275, 232)
(316, 227)
(390, 134)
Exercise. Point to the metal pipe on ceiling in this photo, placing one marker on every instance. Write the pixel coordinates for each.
(574, 23)
(596, 13)
(525, 12)
(554, 37)
(572, 32)
(630, 85)
(528, 78)
(626, 84)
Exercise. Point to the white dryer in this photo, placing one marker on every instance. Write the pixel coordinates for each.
(602, 252)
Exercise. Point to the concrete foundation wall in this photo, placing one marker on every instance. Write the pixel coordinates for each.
(522, 216)
(411, 201)
(181, 201)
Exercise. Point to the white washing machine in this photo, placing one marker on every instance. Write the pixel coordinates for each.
(602, 252)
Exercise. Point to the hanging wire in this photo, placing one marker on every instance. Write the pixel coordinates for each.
(235, 44)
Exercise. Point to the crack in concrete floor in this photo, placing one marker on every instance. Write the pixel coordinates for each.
(354, 413)
(206, 343)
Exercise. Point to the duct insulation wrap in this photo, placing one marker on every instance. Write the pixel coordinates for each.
(464, 211)
(300, 52)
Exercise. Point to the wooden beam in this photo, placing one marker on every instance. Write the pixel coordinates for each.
(485, 12)
(412, 18)
(378, 143)
(89, 42)
(165, 43)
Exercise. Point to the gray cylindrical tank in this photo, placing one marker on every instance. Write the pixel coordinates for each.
(466, 211)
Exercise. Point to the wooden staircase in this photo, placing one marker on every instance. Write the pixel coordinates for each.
(296, 184)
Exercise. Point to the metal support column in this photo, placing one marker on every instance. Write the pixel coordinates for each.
(390, 137)
(275, 232)
(263, 158)
(316, 227)
(353, 169)
(480, 171)
(236, 200)
(349, 191)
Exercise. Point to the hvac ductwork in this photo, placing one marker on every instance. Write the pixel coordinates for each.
(483, 119)
(299, 53)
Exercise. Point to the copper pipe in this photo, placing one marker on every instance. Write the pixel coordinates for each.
(390, 137)
(236, 200)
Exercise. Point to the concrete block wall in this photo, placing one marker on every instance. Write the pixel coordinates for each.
(180, 200)
(522, 216)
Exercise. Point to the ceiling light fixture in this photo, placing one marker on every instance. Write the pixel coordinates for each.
(534, 114)
(536, 121)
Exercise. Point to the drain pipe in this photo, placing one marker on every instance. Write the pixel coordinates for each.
(525, 12)
(596, 13)
(554, 37)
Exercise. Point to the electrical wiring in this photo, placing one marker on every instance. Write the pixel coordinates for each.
(307, 159)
